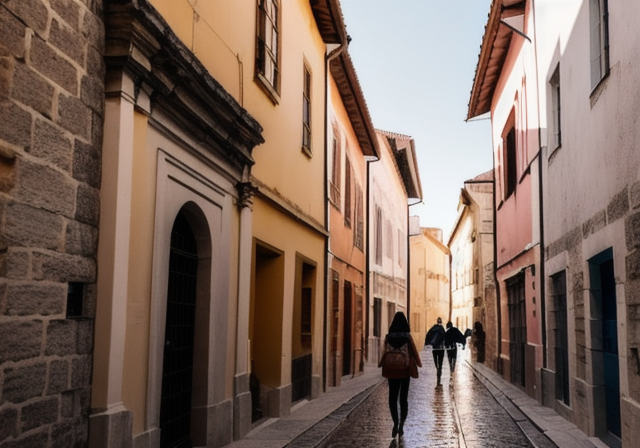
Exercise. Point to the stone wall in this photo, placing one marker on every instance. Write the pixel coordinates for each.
(51, 113)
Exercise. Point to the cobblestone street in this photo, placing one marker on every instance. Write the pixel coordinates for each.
(459, 413)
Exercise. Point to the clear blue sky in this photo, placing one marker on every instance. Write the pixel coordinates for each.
(416, 61)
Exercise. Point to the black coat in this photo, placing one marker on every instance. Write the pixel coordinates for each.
(454, 336)
(435, 336)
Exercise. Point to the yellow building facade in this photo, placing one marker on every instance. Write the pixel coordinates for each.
(211, 277)
(351, 142)
(430, 287)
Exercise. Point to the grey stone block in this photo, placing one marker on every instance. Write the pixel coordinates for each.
(53, 66)
(81, 239)
(68, 10)
(32, 12)
(88, 205)
(92, 94)
(59, 267)
(93, 30)
(7, 68)
(20, 340)
(9, 427)
(61, 338)
(45, 188)
(52, 144)
(13, 34)
(81, 372)
(64, 435)
(618, 206)
(68, 41)
(38, 439)
(31, 89)
(23, 383)
(85, 337)
(16, 125)
(15, 264)
(45, 299)
(632, 231)
(58, 377)
(87, 164)
(75, 116)
(40, 413)
(28, 226)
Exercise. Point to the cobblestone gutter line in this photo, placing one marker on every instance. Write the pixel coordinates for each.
(535, 435)
(462, 442)
(314, 436)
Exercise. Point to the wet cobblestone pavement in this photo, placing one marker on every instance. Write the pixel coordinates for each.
(459, 413)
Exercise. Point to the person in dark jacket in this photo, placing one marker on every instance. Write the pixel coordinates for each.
(399, 338)
(452, 337)
(435, 338)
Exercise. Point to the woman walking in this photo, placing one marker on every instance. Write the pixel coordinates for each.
(399, 363)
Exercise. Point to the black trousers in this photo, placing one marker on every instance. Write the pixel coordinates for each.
(399, 388)
(438, 357)
(452, 354)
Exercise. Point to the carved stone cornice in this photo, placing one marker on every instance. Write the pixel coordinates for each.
(246, 192)
(140, 44)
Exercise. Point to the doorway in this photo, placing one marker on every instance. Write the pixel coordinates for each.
(604, 308)
(517, 329)
(177, 368)
(347, 326)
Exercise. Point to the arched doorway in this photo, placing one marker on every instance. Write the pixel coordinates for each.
(177, 368)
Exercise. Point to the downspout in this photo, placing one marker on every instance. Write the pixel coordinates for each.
(368, 259)
(495, 275)
(543, 297)
(327, 60)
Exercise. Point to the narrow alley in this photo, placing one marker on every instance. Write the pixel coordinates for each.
(459, 413)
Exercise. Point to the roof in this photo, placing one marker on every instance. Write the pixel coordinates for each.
(330, 23)
(344, 74)
(484, 177)
(404, 152)
(493, 52)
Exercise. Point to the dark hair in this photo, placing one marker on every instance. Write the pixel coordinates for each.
(449, 324)
(439, 320)
(399, 324)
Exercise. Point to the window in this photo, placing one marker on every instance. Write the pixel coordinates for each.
(267, 46)
(306, 112)
(377, 317)
(510, 165)
(358, 235)
(401, 248)
(599, 30)
(334, 185)
(335, 172)
(555, 104)
(378, 236)
(389, 242)
(347, 193)
(75, 294)
(560, 343)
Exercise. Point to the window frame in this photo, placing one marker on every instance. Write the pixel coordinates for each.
(510, 160)
(268, 12)
(556, 106)
(306, 110)
(336, 169)
(599, 41)
(347, 192)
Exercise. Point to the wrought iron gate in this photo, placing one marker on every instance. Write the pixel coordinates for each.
(177, 369)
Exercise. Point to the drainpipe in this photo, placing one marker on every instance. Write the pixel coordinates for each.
(327, 60)
(495, 275)
(542, 282)
(368, 258)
